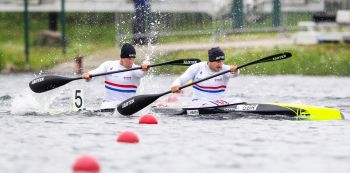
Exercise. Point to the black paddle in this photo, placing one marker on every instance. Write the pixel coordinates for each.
(49, 82)
(134, 104)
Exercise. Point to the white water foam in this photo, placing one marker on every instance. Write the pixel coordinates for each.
(25, 102)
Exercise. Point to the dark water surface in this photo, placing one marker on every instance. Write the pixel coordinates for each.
(40, 133)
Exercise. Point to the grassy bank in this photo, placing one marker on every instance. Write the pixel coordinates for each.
(330, 59)
(90, 33)
(84, 38)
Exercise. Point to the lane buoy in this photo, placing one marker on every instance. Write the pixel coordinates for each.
(128, 137)
(86, 164)
(148, 119)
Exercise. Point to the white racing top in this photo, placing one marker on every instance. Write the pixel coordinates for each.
(210, 90)
(118, 86)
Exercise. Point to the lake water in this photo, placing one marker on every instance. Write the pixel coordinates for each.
(41, 134)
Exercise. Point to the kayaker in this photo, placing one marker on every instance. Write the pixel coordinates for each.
(119, 86)
(210, 92)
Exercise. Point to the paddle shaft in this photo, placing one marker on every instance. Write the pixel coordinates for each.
(129, 69)
(45, 83)
(120, 71)
(110, 72)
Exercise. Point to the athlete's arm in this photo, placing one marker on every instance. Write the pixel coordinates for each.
(185, 77)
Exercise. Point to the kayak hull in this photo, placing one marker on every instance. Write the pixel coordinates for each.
(273, 110)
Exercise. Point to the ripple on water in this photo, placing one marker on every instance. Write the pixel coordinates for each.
(215, 143)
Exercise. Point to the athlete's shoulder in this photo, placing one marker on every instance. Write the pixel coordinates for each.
(203, 63)
(198, 65)
(109, 63)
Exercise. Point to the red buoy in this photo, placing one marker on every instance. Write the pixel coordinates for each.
(86, 164)
(148, 119)
(128, 137)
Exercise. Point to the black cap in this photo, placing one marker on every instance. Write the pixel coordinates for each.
(128, 51)
(216, 54)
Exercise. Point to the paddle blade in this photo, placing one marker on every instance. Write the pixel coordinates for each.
(134, 104)
(185, 62)
(45, 83)
(275, 57)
